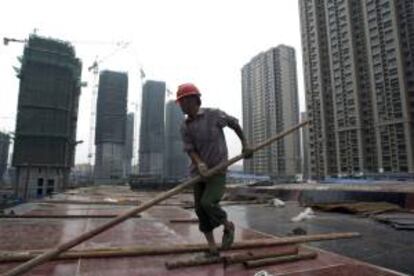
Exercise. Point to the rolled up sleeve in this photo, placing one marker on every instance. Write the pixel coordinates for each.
(224, 120)
(188, 144)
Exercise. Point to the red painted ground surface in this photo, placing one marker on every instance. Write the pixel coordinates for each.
(153, 228)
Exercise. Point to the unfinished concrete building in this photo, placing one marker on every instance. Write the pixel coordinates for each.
(111, 120)
(176, 161)
(270, 106)
(151, 137)
(4, 153)
(358, 60)
(45, 135)
(129, 144)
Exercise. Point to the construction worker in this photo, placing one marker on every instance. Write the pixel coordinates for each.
(204, 142)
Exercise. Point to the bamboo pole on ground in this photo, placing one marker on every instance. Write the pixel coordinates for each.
(19, 270)
(256, 256)
(84, 216)
(81, 202)
(190, 220)
(194, 262)
(280, 260)
(109, 252)
(231, 259)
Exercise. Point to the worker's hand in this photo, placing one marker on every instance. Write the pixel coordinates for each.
(202, 168)
(247, 151)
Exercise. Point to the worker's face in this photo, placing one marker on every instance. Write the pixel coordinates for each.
(189, 105)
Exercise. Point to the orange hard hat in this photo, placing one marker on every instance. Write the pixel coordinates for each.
(187, 89)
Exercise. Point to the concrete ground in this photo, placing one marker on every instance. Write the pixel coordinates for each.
(380, 244)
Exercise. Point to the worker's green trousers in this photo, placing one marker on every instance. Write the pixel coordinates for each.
(207, 195)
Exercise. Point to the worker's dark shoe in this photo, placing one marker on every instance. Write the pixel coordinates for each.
(228, 237)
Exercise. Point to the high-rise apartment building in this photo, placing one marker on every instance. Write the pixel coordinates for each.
(129, 144)
(45, 136)
(111, 120)
(389, 28)
(176, 160)
(352, 104)
(151, 138)
(270, 106)
(358, 68)
(4, 153)
(318, 89)
(305, 147)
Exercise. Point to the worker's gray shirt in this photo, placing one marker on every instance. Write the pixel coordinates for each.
(204, 135)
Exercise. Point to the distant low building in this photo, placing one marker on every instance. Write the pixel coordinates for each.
(81, 175)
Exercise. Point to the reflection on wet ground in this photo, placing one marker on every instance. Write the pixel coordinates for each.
(380, 244)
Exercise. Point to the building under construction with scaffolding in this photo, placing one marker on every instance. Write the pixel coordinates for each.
(111, 120)
(151, 138)
(45, 135)
(176, 160)
(129, 144)
(4, 153)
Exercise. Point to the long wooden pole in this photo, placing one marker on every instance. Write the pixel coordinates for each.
(232, 259)
(280, 260)
(19, 270)
(47, 216)
(112, 252)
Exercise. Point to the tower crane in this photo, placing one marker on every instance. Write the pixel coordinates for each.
(94, 68)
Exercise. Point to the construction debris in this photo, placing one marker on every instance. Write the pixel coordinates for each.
(263, 273)
(362, 208)
(398, 220)
(306, 214)
(277, 203)
(298, 231)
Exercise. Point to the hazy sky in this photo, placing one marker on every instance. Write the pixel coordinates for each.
(205, 42)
